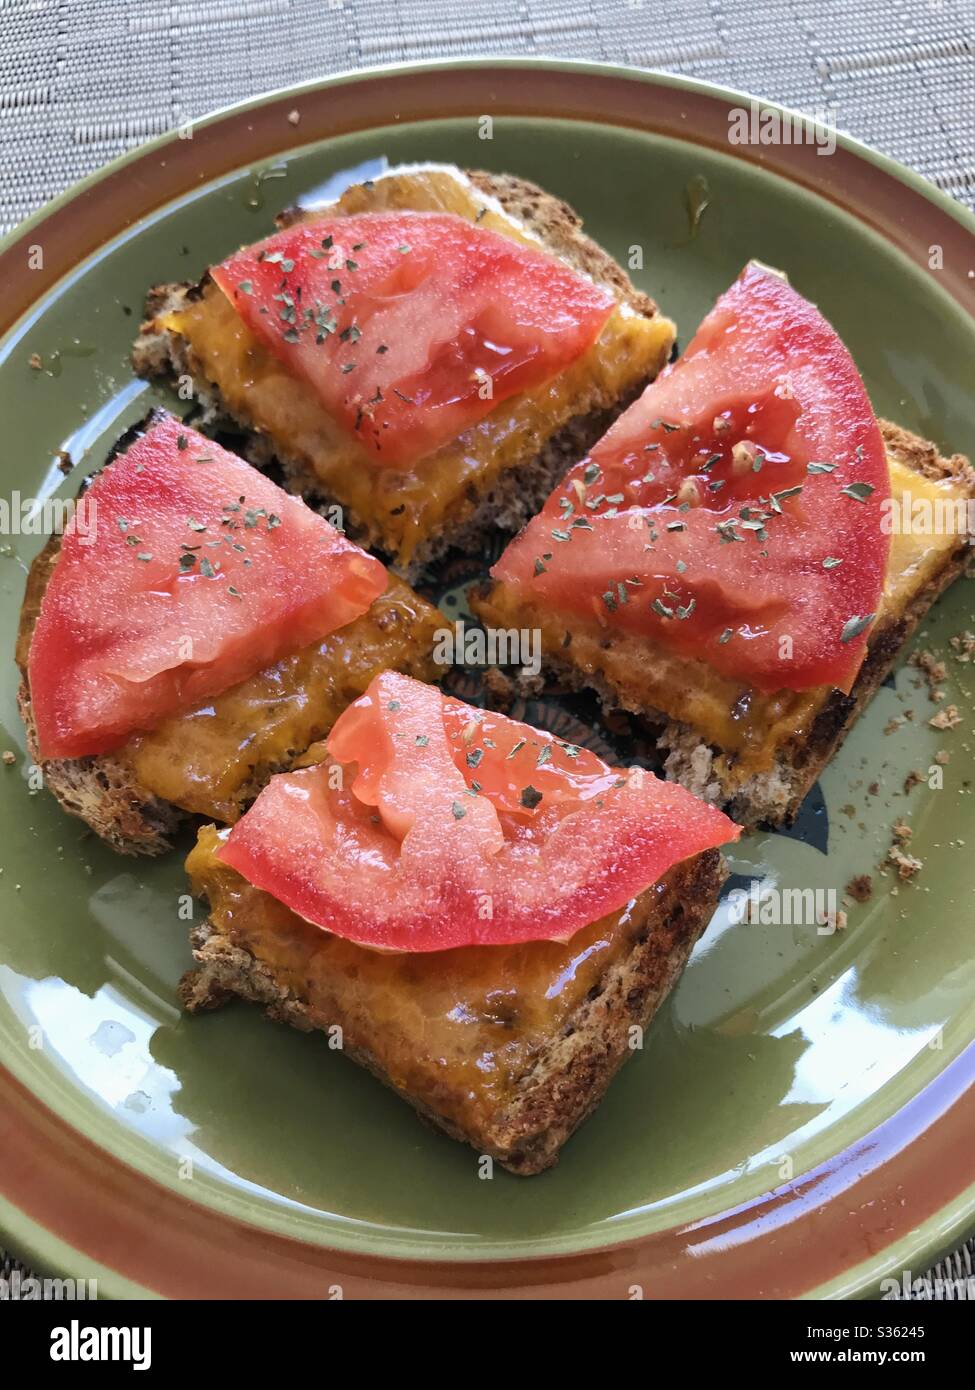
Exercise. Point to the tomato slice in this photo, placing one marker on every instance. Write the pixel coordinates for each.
(192, 572)
(412, 326)
(396, 738)
(733, 513)
(424, 834)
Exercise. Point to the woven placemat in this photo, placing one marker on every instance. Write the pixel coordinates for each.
(82, 82)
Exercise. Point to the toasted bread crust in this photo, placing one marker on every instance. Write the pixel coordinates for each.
(521, 490)
(801, 763)
(568, 1079)
(924, 457)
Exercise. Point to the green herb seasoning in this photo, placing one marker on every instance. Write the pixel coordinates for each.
(854, 626)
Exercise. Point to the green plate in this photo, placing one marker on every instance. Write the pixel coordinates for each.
(791, 1076)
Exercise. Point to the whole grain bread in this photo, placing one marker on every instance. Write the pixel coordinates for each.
(772, 796)
(159, 353)
(569, 1075)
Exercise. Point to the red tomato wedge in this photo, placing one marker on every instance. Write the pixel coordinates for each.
(411, 326)
(192, 572)
(733, 513)
(439, 826)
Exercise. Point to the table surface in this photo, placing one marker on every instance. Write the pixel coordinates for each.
(82, 82)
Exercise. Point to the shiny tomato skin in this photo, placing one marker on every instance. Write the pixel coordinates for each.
(397, 844)
(411, 327)
(192, 571)
(712, 515)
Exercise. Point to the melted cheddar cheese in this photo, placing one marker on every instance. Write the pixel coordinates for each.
(401, 510)
(214, 758)
(748, 725)
(456, 1029)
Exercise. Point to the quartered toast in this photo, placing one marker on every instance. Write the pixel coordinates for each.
(507, 1049)
(493, 476)
(212, 760)
(767, 782)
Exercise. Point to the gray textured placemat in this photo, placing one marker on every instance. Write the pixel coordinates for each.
(82, 81)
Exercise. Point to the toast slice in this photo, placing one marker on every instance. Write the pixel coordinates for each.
(507, 1049)
(212, 760)
(691, 709)
(492, 476)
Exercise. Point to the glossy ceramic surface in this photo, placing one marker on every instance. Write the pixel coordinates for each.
(782, 1051)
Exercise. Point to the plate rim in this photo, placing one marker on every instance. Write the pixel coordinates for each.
(932, 1235)
(656, 76)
